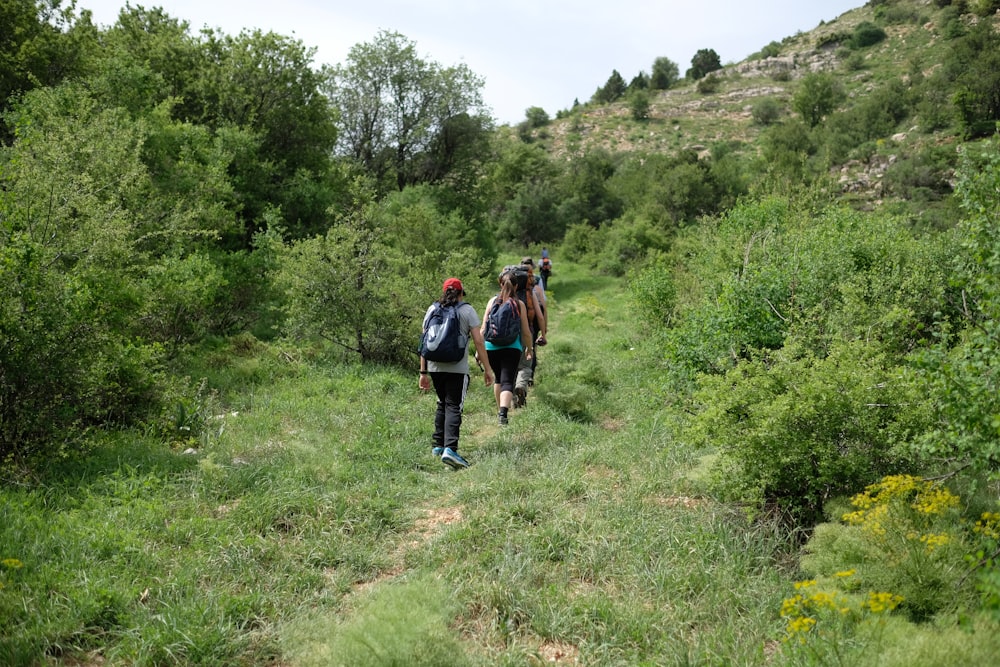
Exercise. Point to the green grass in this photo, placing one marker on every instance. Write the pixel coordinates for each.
(312, 526)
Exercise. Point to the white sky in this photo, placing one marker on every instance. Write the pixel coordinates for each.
(543, 53)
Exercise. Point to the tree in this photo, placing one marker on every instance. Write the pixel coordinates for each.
(638, 102)
(536, 117)
(974, 66)
(393, 104)
(612, 90)
(40, 45)
(961, 375)
(704, 62)
(665, 74)
(818, 94)
(639, 82)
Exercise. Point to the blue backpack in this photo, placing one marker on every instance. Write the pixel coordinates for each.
(503, 323)
(442, 339)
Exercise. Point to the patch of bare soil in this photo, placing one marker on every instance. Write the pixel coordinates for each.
(431, 523)
(559, 653)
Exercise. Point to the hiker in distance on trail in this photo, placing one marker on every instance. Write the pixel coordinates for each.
(505, 329)
(544, 269)
(444, 361)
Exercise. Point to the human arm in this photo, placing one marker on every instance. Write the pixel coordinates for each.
(425, 380)
(540, 310)
(482, 325)
(526, 333)
(480, 343)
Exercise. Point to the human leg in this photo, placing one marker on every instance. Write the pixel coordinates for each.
(457, 385)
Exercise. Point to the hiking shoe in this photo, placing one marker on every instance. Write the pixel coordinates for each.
(452, 458)
(437, 452)
(502, 419)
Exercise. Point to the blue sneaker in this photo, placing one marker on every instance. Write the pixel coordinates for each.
(437, 452)
(451, 457)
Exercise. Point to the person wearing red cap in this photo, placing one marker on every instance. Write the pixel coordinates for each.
(451, 379)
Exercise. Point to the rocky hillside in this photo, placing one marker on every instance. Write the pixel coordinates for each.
(686, 118)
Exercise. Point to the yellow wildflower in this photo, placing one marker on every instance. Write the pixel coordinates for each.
(800, 626)
(11, 563)
(933, 541)
(879, 602)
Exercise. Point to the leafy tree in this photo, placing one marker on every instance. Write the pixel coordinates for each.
(393, 104)
(586, 192)
(961, 374)
(786, 148)
(613, 89)
(638, 102)
(363, 286)
(818, 94)
(974, 65)
(68, 253)
(536, 117)
(704, 62)
(665, 74)
(639, 82)
(255, 93)
(515, 168)
(41, 44)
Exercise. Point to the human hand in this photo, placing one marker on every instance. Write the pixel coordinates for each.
(425, 382)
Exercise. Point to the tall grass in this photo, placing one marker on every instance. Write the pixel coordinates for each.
(312, 527)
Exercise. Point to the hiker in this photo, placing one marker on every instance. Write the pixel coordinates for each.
(506, 357)
(451, 378)
(538, 324)
(544, 269)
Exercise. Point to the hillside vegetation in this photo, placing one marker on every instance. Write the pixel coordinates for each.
(764, 431)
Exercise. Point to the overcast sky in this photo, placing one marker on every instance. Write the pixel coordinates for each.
(543, 53)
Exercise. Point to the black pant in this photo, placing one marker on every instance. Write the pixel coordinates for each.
(450, 389)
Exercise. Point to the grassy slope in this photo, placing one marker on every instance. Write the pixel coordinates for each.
(313, 526)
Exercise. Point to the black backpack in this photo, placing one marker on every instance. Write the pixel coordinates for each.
(503, 323)
(442, 339)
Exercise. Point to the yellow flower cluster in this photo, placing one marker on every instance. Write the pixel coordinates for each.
(926, 497)
(800, 609)
(879, 602)
(933, 541)
(934, 499)
(988, 526)
(11, 564)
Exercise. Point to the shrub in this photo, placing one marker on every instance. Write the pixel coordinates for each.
(794, 431)
(907, 535)
(765, 111)
(866, 34)
(638, 102)
(709, 84)
(772, 50)
(960, 374)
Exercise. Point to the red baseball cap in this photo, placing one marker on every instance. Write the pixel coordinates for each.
(454, 283)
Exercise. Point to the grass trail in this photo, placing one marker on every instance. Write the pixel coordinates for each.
(573, 539)
(313, 527)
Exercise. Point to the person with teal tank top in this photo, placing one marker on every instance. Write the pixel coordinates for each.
(504, 358)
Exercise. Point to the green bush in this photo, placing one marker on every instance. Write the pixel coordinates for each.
(866, 34)
(709, 84)
(796, 430)
(766, 111)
